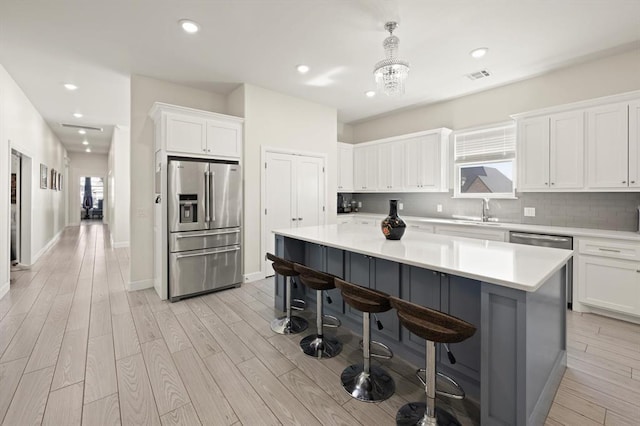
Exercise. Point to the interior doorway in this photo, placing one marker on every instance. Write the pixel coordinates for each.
(16, 195)
(91, 191)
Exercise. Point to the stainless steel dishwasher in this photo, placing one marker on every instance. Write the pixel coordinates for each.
(553, 241)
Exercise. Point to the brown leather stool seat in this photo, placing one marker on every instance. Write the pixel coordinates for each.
(288, 324)
(435, 327)
(317, 345)
(431, 324)
(364, 381)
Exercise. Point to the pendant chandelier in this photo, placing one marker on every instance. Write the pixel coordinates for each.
(391, 73)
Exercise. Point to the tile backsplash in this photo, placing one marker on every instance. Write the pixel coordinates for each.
(611, 210)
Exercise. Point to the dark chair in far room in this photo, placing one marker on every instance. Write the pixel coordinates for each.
(288, 324)
(366, 382)
(434, 327)
(318, 345)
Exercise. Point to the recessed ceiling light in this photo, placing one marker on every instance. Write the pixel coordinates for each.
(479, 52)
(82, 132)
(370, 93)
(189, 26)
(85, 142)
(77, 115)
(303, 69)
(70, 86)
(88, 150)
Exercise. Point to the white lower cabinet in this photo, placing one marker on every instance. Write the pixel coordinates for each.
(608, 274)
(610, 283)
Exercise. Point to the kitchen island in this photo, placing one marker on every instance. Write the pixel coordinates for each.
(514, 294)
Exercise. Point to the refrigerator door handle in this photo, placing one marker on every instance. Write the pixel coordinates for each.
(180, 256)
(209, 234)
(212, 196)
(206, 197)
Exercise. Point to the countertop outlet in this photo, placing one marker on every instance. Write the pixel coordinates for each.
(530, 211)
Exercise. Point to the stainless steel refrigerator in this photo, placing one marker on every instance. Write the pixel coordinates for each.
(204, 220)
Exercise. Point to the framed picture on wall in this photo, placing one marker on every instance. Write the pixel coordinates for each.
(14, 189)
(59, 181)
(53, 179)
(43, 176)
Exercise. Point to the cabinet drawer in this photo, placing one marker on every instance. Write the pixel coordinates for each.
(468, 232)
(610, 248)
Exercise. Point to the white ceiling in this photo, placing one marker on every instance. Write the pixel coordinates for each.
(98, 44)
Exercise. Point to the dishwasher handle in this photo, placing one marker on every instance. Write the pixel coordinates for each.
(536, 237)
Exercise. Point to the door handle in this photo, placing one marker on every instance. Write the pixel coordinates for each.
(206, 196)
(213, 234)
(181, 256)
(299, 218)
(607, 249)
(293, 219)
(212, 195)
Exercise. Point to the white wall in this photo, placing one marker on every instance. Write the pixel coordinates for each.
(276, 120)
(606, 76)
(23, 129)
(345, 132)
(144, 92)
(119, 189)
(83, 164)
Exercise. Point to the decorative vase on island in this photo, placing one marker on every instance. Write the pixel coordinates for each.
(392, 226)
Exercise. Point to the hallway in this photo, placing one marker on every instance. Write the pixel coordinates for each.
(76, 347)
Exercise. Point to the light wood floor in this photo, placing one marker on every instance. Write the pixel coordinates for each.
(76, 347)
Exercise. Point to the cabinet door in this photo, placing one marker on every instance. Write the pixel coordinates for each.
(566, 158)
(634, 144)
(186, 134)
(533, 154)
(358, 272)
(390, 162)
(224, 140)
(345, 168)
(335, 266)
(412, 165)
(430, 163)
(359, 169)
(386, 278)
(607, 139)
(610, 284)
(422, 287)
(371, 164)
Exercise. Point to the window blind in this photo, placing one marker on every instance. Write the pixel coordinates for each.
(495, 143)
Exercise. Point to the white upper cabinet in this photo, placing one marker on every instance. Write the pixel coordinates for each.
(634, 144)
(345, 167)
(390, 166)
(608, 146)
(365, 168)
(224, 139)
(426, 162)
(566, 150)
(186, 134)
(188, 131)
(551, 152)
(533, 154)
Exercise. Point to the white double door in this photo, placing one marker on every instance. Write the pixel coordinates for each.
(294, 195)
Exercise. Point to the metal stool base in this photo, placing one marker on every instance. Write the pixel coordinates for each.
(413, 414)
(375, 386)
(320, 347)
(292, 325)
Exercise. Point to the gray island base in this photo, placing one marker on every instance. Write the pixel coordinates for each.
(511, 367)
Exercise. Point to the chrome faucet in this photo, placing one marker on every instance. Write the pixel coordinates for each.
(485, 209)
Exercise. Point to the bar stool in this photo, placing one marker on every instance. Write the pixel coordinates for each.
(366, 382)
(288, 324)
(317, 345)
(434, 327)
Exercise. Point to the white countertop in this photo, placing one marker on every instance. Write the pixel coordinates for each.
(510, 265)
(508, 226)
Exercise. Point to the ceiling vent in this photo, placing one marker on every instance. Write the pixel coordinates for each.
(75, 126)
(479, 74)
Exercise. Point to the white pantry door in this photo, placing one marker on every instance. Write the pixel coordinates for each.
(294, 196)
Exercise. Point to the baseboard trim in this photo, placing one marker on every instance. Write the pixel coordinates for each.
(47, 246)
(254, 276)
(139, 285)
(123, 244)
(4, 289)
